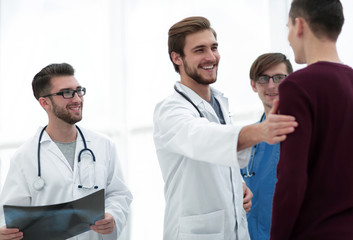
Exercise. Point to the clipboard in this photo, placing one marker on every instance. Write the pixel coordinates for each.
(58, 221)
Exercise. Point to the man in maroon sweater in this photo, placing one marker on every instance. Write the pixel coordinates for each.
(314, 193)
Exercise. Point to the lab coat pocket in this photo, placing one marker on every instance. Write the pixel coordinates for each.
(208, 226)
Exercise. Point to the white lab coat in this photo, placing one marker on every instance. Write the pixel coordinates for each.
(61, 183)
(201, 169)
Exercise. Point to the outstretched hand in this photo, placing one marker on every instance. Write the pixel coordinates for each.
(276, 127)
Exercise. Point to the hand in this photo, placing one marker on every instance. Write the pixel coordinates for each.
(247, 196)
(104, 226)
(10, 233)
(276, 127)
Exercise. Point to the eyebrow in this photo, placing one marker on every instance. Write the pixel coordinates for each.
(63, 89)
(203, 46)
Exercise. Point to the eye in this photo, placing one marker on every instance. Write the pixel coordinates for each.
(280, 76)
(67, 91)
(263, 78)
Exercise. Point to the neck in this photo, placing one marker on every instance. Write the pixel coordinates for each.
(321, 50)
(64, 133)
(203, 90)
(266, 112)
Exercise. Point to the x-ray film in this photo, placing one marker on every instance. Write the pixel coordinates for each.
(56, 222)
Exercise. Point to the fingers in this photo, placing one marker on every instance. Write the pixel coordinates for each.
(104, 226)
(279, 132)
(103, 229)
(247, 196)
(247, 202)
(10, 233)
(274, 106)
(276, 118)
(277, 127)
(247, 206)
(277, 139)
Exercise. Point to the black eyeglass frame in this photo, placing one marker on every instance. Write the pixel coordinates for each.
(81, 91)
(278, 78)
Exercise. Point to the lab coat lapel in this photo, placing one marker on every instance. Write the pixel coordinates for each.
(223, 102)
(211, 114)
(201, 104)
(54, 149)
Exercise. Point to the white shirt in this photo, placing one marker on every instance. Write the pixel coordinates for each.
(61, 183)
(201, 169)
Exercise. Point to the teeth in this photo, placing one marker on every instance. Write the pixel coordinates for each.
(208, 68)
(75, 108)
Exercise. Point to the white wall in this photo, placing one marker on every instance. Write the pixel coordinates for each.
(119, 49)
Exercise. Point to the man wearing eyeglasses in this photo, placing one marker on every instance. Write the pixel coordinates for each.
(57, 174)
(266, 73)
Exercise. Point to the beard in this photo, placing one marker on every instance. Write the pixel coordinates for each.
(192, 73)
(65, 115)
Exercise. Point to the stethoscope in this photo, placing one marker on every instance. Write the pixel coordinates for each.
(39, 183)
(188, 99)
(249, 170)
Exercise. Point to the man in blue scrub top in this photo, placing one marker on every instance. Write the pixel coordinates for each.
(266, 74)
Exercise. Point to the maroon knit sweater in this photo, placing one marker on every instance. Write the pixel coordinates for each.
(314, 194)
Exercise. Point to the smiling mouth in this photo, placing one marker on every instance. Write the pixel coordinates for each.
(210, 67)
(272, 94)
(75, 108)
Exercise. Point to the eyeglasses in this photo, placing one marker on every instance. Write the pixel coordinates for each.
(264, 79)
(69, 93)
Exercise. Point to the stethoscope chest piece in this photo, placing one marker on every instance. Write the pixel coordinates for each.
(38, 184)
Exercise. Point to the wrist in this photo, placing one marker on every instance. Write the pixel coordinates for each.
(250, 135)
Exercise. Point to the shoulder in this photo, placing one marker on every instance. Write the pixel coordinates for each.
(173, 105)
(318, 71)
(316, 77)
(30, 145)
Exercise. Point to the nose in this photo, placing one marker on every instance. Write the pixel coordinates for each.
(271, 84)
(77, 98)
(211, 55)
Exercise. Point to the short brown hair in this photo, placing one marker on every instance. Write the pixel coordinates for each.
(178, 32)
(41, 84)
(266, 61)
(325, 17)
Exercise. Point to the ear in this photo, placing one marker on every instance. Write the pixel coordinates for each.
(253, 85)
(44, 102)
(300, 24)
(176, 58)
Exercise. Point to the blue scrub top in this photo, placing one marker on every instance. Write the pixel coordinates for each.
(263, 162)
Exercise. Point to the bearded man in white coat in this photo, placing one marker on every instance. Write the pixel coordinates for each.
(200, 151)
(61, 96)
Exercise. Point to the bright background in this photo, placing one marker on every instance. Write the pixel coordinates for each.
(119, 51)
